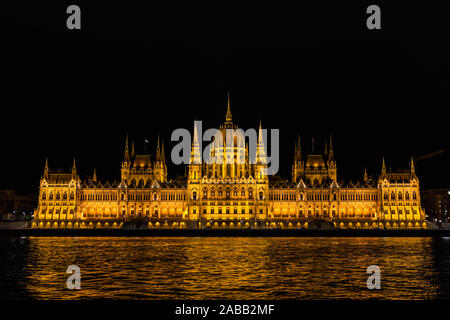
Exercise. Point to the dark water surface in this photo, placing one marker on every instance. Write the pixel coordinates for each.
(224, 268)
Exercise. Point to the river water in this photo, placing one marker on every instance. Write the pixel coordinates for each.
(224, 268)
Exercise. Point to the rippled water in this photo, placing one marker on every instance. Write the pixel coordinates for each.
(224, 268)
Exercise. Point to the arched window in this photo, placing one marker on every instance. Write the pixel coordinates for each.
(155, 197)
(58, 196)
(65, 196)
(334, 196)
(385, 196)
(400, 196)
(301, 196)
(194, 195)
(44, 196)
(72, 196)
(261, 195)
(414, 196)
(392, 195)
(122, 197)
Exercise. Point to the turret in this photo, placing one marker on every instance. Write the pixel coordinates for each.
(132, 150)
(196, 160)
(261, 160)
(46, 169)
(228, 116)
(74, 169)
(126, 156)
(332, 168)
(160, 169)
(126, 164)
(298, 166)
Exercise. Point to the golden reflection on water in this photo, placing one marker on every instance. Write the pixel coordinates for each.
(229, 268)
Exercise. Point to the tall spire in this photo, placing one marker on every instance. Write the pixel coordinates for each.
(260, 152)
(366, 177)
(195, 149)
(126, 156)
(412, 166)
(383, 168)
(94, 176)
(298, 150)
(158, 151)
(163, 158)
(325, 153)
(228, 117)
(331, 152)
(74, 168)
(46, 169)
(132, 148)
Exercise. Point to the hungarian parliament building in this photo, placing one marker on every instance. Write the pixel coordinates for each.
(236, 195)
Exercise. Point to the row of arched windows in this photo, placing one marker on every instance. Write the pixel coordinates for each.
(400, 196)
(57, 196)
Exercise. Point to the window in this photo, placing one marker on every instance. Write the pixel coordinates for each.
(392, 196)
(194, 195)
(44, 196)
(414, 195)
(261, 195)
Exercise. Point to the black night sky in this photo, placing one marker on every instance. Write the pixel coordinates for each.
(145, 68)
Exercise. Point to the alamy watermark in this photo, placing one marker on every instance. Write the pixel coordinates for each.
(231, 149)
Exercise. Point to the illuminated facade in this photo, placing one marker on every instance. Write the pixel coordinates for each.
(229, 195)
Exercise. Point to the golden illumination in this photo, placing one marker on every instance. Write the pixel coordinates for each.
(224, 195)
